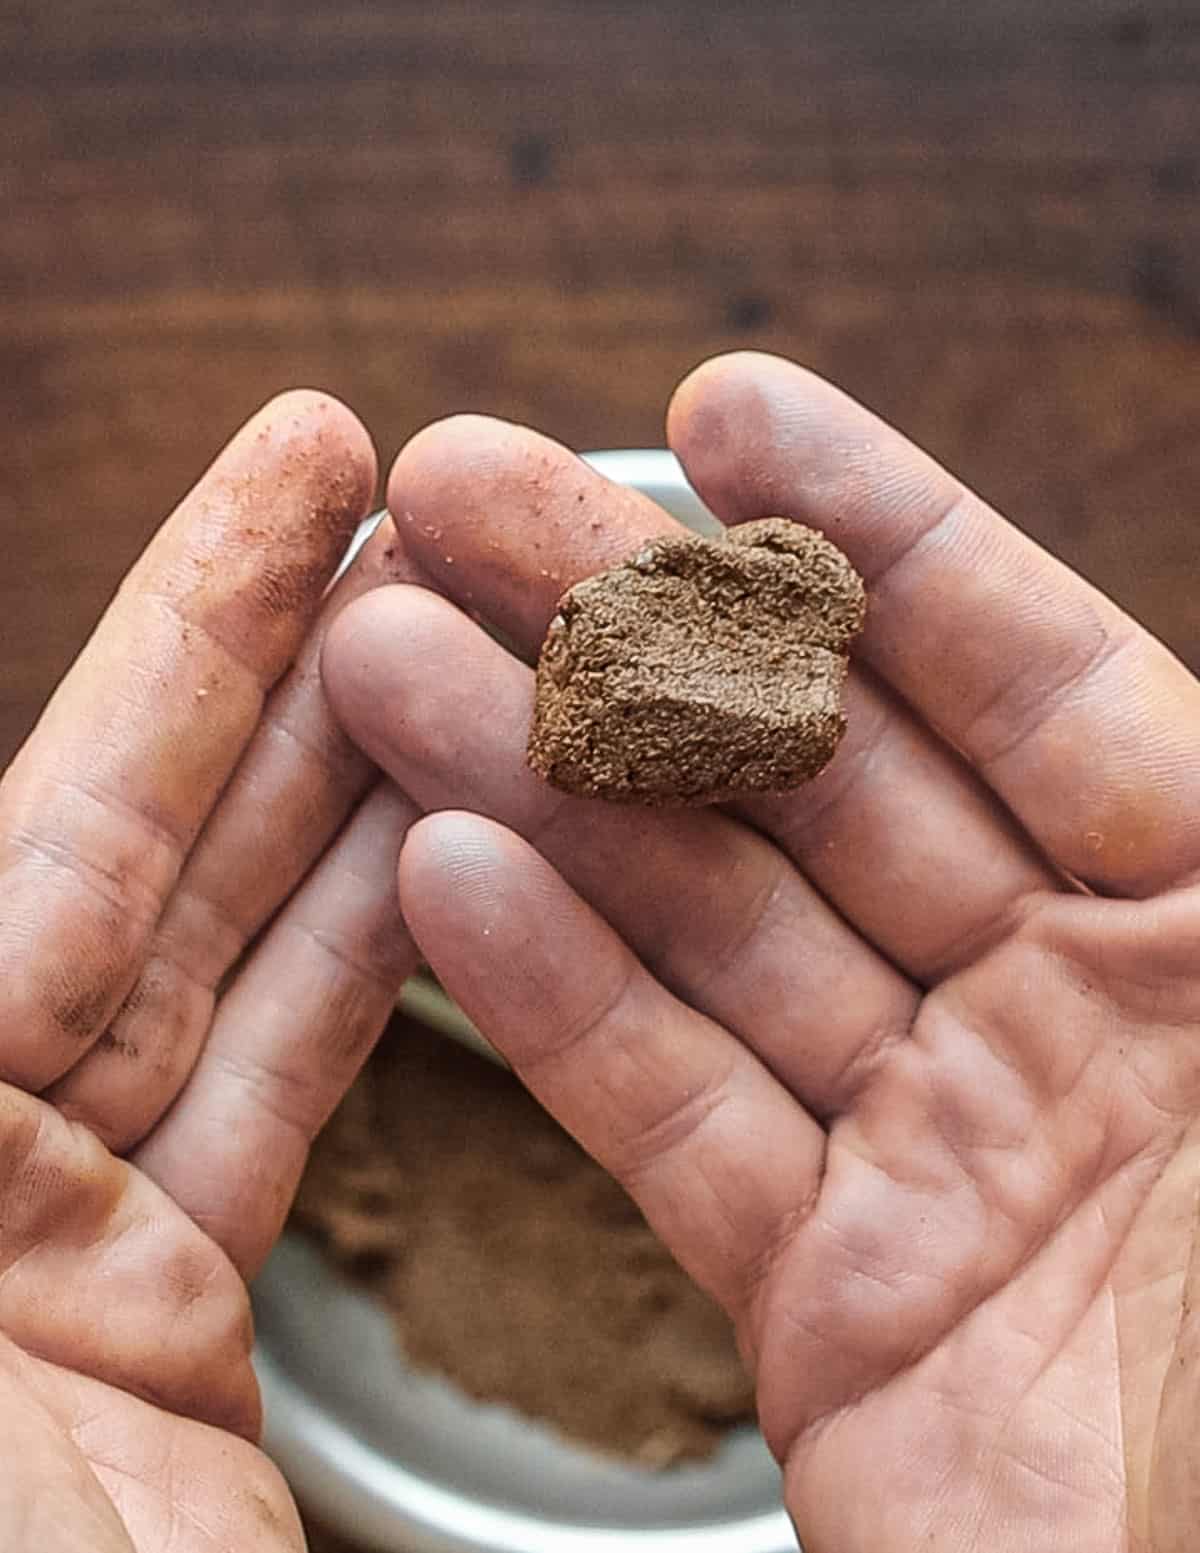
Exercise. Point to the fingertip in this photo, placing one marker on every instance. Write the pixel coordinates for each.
(377, 656)
(447, 875)
(311, 412)
(315, 435)
(453, 453)
(715, 375)
(717, 386)
(724, 423)
(454, 845)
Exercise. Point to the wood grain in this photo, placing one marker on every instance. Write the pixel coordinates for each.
(982, 218)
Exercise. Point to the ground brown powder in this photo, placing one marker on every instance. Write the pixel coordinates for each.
(511, 1263)
(699, 669)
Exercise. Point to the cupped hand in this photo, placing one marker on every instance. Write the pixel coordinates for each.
(199, 940)
(904, 1066)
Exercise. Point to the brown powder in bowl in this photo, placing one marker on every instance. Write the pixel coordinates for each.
(511, 1263)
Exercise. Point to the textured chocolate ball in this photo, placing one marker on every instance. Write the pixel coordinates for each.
(699, 669)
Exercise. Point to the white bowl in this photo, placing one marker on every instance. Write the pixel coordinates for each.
(402, 1462)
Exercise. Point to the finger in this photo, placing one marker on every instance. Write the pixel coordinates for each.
(101, 1273)
(720, 1158)
(102, 805)
(293, 789)
(288, 1039)
(1081, 721)
(521, 518)
(710, 907)
(895, 820)
(503, 520)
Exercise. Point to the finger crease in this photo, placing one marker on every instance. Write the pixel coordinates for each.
(959, 501)
(269, 1084)
(237, 933)
(755, 917)
(365, 970)
(109, 885)
(581, 1030)
(759, 1271)
(1111, 644)
(978, 941)
(344, 763)
(174, 840)
(240, 662)
(848, 1083)
(675, 1127)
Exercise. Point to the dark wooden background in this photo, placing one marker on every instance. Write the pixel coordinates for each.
(982, 216)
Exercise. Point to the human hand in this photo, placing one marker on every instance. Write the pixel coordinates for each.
(904, 1065)
(199, 942)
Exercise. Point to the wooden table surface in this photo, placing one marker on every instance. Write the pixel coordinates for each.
(983, 218)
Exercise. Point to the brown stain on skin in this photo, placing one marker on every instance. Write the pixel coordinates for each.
(65, 1191)
(77, 1010)
(251, 550)
(145, 1052)
(265, 1515)
(287, 587)
(60, 1182)
(387, 947)
(118, 1045)
(153, 1026)
(268, 596)
(213, 1334)
(139, 996)
(1121, 838)
(355, 1029)
(352, 1017)
(83, 981)
(188, 1274)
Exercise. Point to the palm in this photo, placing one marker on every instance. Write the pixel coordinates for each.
(123, 1490)
(1003, 1370)
(199, 941)
(888, 1073)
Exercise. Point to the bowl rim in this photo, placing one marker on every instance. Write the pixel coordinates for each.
(361, 1493)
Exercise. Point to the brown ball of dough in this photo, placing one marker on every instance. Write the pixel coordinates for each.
(699, 669)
